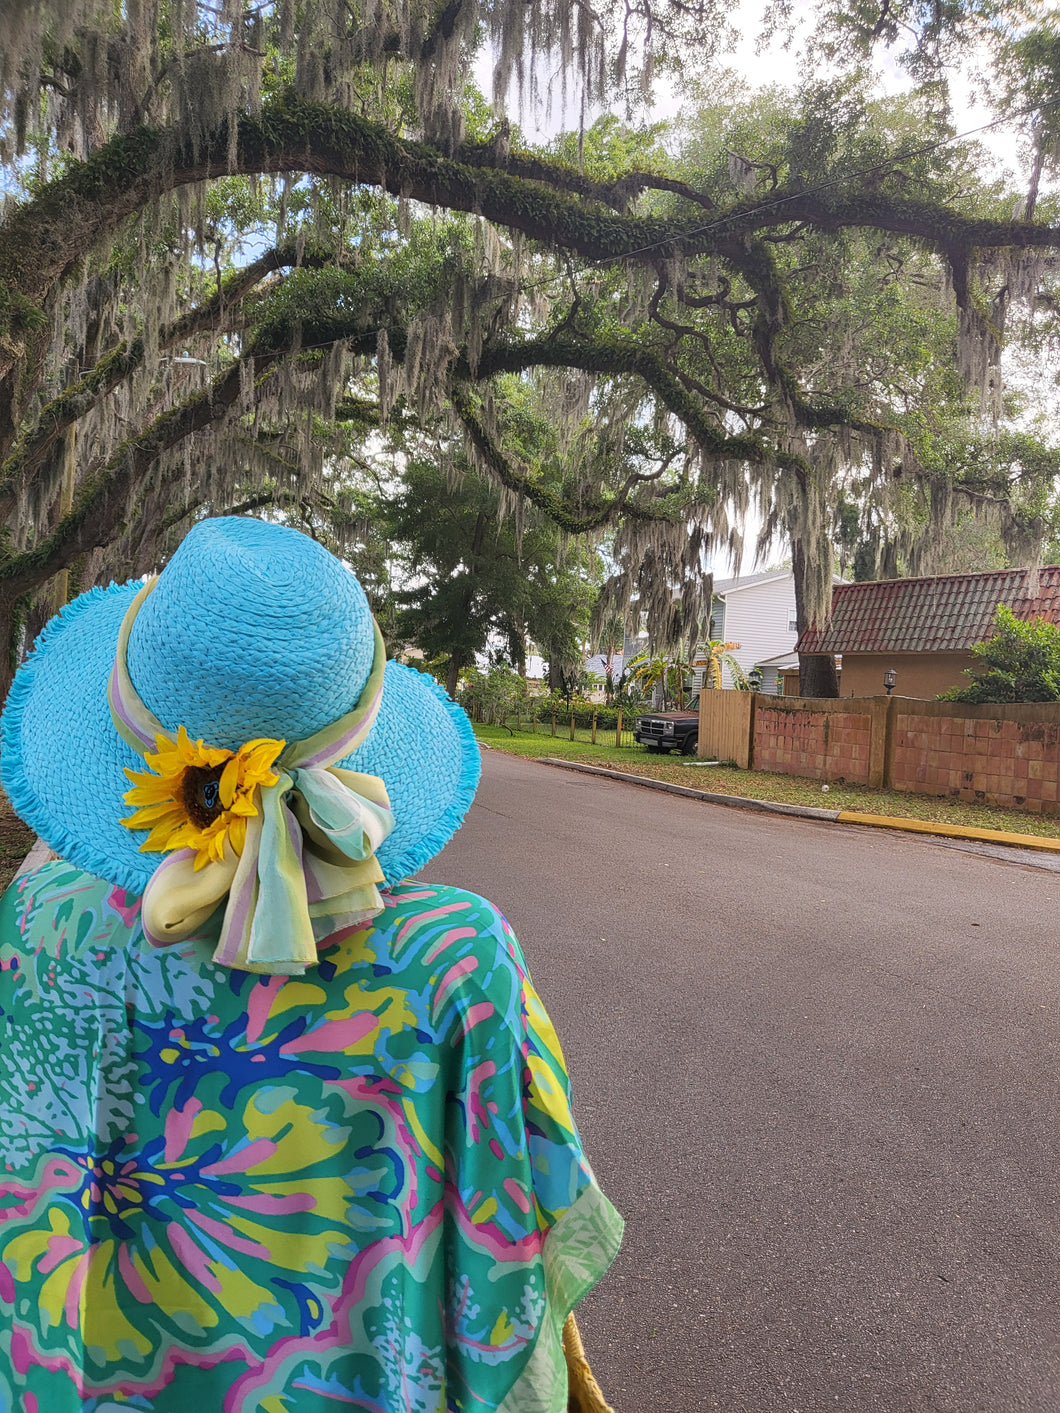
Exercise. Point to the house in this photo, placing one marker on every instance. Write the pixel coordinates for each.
(923, 629)
(777, 675)
(596, 665)
(758, 612)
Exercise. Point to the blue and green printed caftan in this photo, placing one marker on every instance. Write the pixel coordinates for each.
(223, 1193)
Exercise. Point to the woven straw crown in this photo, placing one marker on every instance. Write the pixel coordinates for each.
(272, 635)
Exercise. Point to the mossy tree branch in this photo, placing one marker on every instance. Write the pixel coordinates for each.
(624, 357)
(102, 497)
(220, 311)
(592, 515)
(618, 195)
(43, 242)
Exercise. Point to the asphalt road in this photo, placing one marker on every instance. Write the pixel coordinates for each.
(815, 1068)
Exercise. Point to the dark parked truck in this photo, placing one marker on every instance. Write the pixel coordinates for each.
(670, 730)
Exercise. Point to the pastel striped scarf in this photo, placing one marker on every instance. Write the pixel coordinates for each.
(307, 867)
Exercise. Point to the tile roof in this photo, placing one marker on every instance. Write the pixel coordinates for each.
(944, 613)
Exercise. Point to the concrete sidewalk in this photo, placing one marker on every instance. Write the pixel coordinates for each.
(953, 832)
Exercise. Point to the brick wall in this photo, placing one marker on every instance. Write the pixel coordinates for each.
(1000, 755)
(821, 739)
(1004, 755)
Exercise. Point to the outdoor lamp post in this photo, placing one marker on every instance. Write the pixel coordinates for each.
(890, 677)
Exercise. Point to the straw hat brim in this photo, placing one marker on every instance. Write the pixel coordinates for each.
(62, 763)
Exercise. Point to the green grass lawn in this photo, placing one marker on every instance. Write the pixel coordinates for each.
(764, 785)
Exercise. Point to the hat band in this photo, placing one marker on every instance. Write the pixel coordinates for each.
(292, 845)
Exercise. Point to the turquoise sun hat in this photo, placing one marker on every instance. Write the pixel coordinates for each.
(252, 630)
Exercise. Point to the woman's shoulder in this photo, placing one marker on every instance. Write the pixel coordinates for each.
(447, 946)
(438, 904)
(451, 942)
(436, 918)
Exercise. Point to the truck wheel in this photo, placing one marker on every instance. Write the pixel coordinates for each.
(691, 745)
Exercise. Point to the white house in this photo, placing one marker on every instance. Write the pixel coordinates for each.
(758, 612)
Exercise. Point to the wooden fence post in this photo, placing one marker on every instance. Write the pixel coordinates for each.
(553, 721)
(572, 723)
(594, 726)
(618, 729)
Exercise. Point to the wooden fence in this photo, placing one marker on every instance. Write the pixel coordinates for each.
(726, 726)
(591, 726)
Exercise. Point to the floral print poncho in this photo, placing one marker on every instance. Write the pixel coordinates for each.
(361, 1188)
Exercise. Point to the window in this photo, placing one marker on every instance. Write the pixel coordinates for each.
(793, 625)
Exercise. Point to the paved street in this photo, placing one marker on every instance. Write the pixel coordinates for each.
(816, 1068)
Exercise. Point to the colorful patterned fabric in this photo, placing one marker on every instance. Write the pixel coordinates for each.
(233, 1193)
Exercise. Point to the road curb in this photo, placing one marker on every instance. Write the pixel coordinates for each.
(39, 854)
(877, 821)
(952, 831)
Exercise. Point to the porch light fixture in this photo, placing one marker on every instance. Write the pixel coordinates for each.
(890, 677)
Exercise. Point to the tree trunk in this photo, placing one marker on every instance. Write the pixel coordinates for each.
(517, 648)
(459, 659)
(817, 674)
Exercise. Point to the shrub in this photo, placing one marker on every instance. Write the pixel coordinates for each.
(1020, 663)
(490, 696)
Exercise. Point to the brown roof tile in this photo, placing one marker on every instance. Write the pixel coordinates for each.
(944, 613)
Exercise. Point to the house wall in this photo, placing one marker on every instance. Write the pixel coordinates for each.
(757, 617)
(919, 674)
(772, 682)
(717, 618)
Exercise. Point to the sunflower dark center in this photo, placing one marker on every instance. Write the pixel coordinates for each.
(201, 793)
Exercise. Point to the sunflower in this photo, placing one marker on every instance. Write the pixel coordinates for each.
(196, 796)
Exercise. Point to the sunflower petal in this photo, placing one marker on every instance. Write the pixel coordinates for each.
(154, 793)
(154, 814)
(229, 782)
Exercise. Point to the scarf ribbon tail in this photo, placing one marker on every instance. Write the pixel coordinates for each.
(307, 867)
